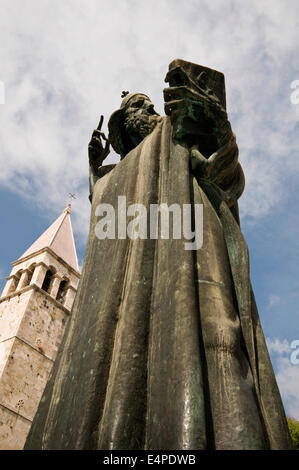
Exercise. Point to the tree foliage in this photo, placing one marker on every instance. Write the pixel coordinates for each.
(294, 431)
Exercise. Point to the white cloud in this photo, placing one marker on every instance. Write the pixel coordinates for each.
(288, 382)
(66, 63)
(287, 373)
(278, 347)
(273, 300)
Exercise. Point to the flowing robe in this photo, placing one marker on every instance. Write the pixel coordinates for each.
(164, 348)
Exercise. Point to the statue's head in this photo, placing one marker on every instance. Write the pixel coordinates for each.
(130, 124)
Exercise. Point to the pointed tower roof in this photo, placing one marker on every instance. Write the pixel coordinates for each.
(59, 237)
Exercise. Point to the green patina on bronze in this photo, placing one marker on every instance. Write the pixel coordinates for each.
(179, 360)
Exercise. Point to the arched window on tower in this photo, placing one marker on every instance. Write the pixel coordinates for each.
(62, 290)
(47, 281)
(29, 275)
(15, 282)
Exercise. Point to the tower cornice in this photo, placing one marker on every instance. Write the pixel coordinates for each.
(51, 252)
(38, 289)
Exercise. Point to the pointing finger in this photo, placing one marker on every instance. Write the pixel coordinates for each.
(100, 123)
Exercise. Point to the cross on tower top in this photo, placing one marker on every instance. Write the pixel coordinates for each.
(71, 196)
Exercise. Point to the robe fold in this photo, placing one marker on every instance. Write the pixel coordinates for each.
(164, 348)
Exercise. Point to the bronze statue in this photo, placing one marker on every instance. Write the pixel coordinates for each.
(164, 348)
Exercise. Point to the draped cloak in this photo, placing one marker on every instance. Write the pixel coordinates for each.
(164, 348)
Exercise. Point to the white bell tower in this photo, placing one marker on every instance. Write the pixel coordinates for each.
(34, 309)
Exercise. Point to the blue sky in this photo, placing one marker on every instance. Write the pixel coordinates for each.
(63, 64)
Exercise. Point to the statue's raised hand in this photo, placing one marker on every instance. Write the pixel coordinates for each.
(97, 152)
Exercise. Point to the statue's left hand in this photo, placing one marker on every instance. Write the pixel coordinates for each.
(192, 108)
(182, 101)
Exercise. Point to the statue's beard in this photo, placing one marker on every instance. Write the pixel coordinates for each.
(140, 125)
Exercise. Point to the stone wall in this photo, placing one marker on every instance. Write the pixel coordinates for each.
(32, 325)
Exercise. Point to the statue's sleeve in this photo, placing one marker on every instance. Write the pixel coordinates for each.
(93, 178)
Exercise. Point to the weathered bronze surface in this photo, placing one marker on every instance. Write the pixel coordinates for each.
(165, 349)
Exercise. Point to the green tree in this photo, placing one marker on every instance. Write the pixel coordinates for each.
(294, 430)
